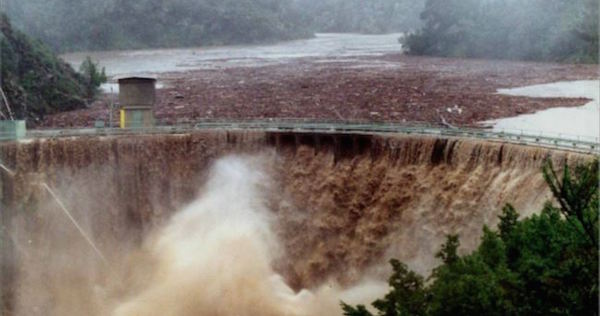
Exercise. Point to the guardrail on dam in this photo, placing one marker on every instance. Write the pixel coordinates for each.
(584, 144)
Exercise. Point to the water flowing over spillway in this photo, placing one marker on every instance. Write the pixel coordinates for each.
(244, 223)
(215, 256)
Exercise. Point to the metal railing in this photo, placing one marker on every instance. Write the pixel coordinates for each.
(8, 136)
(585, 144)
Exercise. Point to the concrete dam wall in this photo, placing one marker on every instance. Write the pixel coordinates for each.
(334, 206)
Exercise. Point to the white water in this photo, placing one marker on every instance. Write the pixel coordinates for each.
(323, 46)
(215, 257)
(581, 123)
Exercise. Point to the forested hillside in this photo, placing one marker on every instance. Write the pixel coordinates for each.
(35, 81)
(544, 30)
(541, 30)
(68, 25)
(359, 16)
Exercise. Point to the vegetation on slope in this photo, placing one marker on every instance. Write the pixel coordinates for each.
(546, 30)
(36, 82)
(543, 265)
(122, 24)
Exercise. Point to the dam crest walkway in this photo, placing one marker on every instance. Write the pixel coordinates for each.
(529, 138)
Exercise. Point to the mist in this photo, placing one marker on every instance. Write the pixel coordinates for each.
(215, 256)
(117, 24)
(553, 30)
(367, 153)
(541, 30)
(366, 17)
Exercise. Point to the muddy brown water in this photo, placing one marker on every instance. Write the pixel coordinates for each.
(287, 222)
(323, 46)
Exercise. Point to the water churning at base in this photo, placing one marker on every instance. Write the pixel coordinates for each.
(214, 257)
(187, 232)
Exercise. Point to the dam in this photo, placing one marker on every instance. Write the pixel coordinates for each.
(317, 214)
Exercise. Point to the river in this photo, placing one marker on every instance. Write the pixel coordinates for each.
(322, 46)
(580, 122)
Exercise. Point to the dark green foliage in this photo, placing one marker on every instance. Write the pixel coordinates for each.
(508, 220)
(359, 310)
(407, 296)
(93, 77)
(550, 30)
(373, 16)
(576, 192)
(35, 81)
(472, 285)
(557, 274)
(68, 25)
(543, 265)
(449, 252)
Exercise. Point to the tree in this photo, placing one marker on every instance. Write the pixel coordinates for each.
(407, 297)
(576, 192)
(508, 221)
(550, 30)
(35, 80)
(359, 310)
(449, 252)
(546, 264)
(92, 76)
(68, 25)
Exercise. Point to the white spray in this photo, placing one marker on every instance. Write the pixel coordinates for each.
(215, 256)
